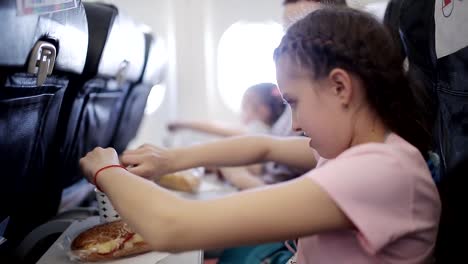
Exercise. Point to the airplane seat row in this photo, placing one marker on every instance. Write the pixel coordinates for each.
(93, 107)
(135, 103)
(39, 58)
(70, 81)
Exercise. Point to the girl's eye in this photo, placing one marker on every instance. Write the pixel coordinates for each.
(290, 102)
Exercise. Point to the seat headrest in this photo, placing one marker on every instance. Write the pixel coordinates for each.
(116, 47)
(67, 30)
(156, 64)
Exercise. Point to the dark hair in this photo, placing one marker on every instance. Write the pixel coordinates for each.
(326, 2)
(354, 41)
(270, 96)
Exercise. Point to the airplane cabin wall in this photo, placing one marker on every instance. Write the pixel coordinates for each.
(192, 30)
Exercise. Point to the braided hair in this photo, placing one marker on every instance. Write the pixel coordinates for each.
(354, 41)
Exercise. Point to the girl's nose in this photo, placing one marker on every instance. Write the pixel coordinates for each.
(295, 126)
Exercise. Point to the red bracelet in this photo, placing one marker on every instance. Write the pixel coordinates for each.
(104, 168)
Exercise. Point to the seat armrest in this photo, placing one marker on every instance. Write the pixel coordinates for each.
(40, 233)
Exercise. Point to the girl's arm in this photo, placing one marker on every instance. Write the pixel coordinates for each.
(169, 223)
(150, 161)
(207, 127)
(241, 177)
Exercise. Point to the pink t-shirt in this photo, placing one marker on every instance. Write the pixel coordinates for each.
(387, 191)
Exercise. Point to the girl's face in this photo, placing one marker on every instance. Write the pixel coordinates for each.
(317, 110)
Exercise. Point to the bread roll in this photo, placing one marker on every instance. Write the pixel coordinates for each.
(108, 241)
(183, 181)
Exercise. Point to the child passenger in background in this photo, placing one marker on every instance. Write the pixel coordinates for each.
(262, 105)
(371, 198)
(262, 112)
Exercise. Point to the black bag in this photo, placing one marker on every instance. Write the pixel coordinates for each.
(95, 102)
(446, 78)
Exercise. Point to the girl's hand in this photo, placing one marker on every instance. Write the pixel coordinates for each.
(97, 159)
(148, 161)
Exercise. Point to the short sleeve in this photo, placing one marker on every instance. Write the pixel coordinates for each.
(372, 190)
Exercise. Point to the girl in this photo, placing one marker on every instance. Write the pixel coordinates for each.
(371, 198)
(262, 106)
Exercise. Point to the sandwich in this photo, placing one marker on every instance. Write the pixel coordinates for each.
(107, 242)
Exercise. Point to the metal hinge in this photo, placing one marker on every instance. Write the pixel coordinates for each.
(42, 61)
(122, 72)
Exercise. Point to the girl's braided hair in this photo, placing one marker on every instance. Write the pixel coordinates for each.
(354, 41)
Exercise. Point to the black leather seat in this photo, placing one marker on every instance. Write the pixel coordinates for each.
(93, 105)
(69, 81)
(51, 46)
(135, 103)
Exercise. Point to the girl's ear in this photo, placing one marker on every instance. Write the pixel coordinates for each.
(341, 84)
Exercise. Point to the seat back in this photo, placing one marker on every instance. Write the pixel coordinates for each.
(93, 105)
(69, 81)
(40, 55)
(135, 103)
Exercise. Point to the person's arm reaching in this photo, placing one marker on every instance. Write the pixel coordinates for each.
(206, 127)
(150, 161)
(173, 224)
(241, 177)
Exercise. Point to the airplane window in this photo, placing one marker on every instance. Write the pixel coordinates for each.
(245, 58)
(158, 59)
